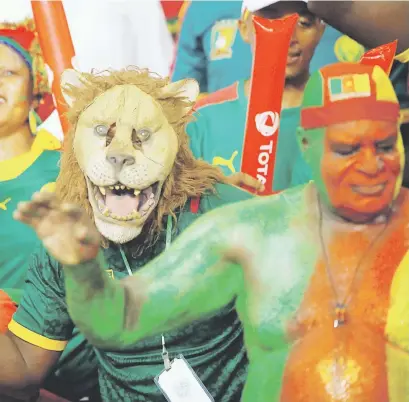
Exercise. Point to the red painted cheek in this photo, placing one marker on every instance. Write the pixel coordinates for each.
(392, 163)
(335, 172)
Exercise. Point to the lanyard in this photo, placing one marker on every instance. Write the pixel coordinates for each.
(169, 228)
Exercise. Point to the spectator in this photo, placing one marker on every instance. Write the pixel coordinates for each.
(28, 154)
(210, 48)
(205, 26)
(28, 163)
(217, 134)
(28, 157)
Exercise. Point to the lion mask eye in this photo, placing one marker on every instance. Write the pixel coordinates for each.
(143, 135)
(101, 130)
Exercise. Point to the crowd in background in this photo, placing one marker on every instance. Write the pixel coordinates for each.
(210, 41)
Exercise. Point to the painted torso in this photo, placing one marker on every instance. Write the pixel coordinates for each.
(288, 308)
(280, 280)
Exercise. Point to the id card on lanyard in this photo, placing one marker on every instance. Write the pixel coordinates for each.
(181, 384)
(178, 382)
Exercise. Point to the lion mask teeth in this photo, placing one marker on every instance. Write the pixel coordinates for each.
(121, 187)
(124, 203)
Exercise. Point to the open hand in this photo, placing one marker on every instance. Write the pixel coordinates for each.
(66, 231)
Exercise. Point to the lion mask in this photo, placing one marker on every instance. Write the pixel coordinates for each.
(127, 156)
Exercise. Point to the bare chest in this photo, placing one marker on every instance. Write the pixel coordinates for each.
(297, 289)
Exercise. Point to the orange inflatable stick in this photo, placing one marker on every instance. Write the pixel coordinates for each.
(272, 40)
(56, 45)
(382, 56)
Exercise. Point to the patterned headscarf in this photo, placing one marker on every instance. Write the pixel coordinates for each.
(22, 38)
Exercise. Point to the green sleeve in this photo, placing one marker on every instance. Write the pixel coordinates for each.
(42, 318)
(181, 285)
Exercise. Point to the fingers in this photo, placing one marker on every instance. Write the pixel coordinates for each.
(84, 229)
(72, 211)
(65, 230)
(249, 181)
(38, 207)
(29, 212)
(44, 197)
(243, 179)
(87, 236)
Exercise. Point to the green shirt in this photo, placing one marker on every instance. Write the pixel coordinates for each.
(213, 346)
(20, 178)
(217, 136)
(17, 240)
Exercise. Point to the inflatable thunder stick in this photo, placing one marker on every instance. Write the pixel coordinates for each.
(272, 40)
(56, 45)
(381, 56)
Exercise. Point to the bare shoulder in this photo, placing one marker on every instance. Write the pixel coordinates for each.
(268, 213)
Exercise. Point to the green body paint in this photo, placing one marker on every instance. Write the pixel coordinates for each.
(283, 297)
(178, 287)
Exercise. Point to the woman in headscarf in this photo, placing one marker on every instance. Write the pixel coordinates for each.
(29, 162)
(28, 156)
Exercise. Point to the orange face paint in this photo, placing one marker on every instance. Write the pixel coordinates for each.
(360, 166)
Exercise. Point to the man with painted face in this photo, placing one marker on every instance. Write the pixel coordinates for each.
(374, 23)
(319, 271)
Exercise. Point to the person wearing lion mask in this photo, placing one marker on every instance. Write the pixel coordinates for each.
(127, 162)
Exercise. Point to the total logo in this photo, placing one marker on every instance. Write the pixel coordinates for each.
(262, 120)
(267, 124)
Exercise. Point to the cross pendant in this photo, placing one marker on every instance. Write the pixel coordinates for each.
(340, 312)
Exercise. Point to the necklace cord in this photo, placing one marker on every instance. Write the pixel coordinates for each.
(326, 258)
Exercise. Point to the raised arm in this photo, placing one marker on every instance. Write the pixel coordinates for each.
(371, 23)
(189, 280)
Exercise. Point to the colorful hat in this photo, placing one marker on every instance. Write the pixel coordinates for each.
(22, 38)
(345, 92)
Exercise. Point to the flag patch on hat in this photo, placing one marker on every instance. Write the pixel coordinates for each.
(349, 86)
